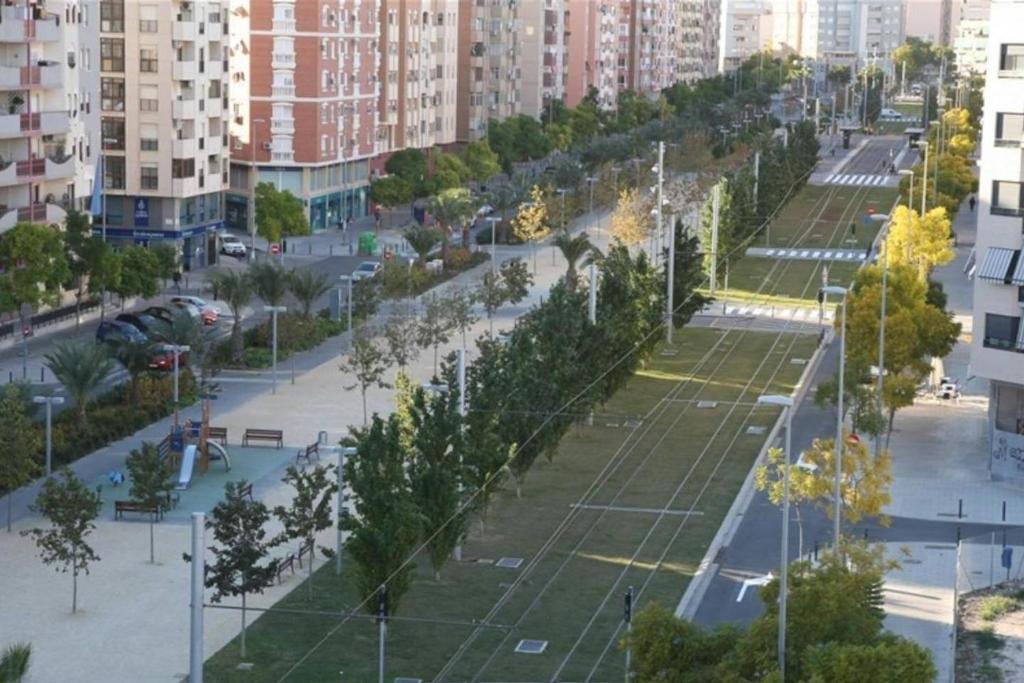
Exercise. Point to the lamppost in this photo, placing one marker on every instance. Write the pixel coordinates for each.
(838, 492)
(910, 194)
(252, 188)
(274, 310)
(348, 301)
(494, 220)
(883, 258)
(924, 180)
(177, 350)
(50, 401)
(590, 188)
(787, 405)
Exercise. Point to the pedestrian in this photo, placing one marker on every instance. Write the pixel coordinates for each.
(177, 280)
(853, 229)
(971, 202)
(833, 152)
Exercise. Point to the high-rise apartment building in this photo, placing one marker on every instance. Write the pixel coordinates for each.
(163, 131)
(648, 48)
(691, 40)
(418, 61)
(746, 30)
(839, 32)
(304, 104)
(971, 43)
(711, 19)
(583, 49)
(49, 125)
(544, 33)
(489, 69)
(997, 351)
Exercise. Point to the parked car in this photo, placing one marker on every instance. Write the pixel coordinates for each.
(208, 312)
(160, 313)
(117, 331)
(163, 358)
(367, 270)
(890, 114)
(232, 246)
(484, 210)
(143, 322)
(193, 311)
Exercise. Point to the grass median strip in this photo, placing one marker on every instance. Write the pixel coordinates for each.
(677, 459)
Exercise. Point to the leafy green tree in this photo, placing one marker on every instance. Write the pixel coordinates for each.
(667, 648)
(517, 278)
(458, 304)
(400, 335)
(391, 191)
(449, 171)
(14, 663)
(307, 286)
(71, 508)
(134, 357)
(510, 284)
(366, 299)
(19, 447)
(279, 213)
(81, 367)
(485, 454)
(422, 239)
(310, 510)
(892, 660)
(184, 330)
(270, 281)
(167, 255)
(452, 208)
(385, 528)
(435, 327)
(150, 476)
(839, 76)
(34, 269)
(574, 249)
(79, 255)
(240, 565)
(140, 274)
(481, 161)
(689, 276)
(410, 165)
(435, 473)
(237, 290)
(368, 362)
(491, 294)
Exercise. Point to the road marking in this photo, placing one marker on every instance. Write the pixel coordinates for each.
(817, 254)
(650, 511)
(751, 583)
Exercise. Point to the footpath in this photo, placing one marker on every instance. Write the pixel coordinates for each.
(133, 620)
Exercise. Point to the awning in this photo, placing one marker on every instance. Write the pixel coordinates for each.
(996, 267)
(1018, 273)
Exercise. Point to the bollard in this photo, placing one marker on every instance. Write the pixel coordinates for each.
(42, 379)
(309, 247)
(1004, 510)
(10, 377)
(960, 508)
(958, 534)
(815, 551)
(865, 533)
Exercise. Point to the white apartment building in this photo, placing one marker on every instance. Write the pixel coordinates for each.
(746, 30)
(545, 60)
(711, 17)
(690, 37)
(49, 123)
(839, 32)
(971, 42)
(164, 125)
(997, 351)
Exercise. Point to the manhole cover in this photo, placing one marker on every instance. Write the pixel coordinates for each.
(509, 562)
(531, 647)
(484, 560)
(707, 404)
(755, 430)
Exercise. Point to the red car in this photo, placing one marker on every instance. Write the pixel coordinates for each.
(163, 358)
(194, 305)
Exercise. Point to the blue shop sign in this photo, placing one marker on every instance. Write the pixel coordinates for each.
(142, 212)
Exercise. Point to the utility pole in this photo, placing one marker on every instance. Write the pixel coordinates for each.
(884, 258)
(715, 199)
(757, 175)
(198, 578)
(671, 280)
(461, 376)
(592, 295)
(924, 181)
(817, 114)
(661, 181)
(382, 628)
(628, 618)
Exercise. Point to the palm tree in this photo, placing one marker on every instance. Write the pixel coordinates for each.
(507, 197)
(573, 249)
(135, 357)
(81, 367)
(307, 286)
(14, 663)
(271, 282)
(422, 239)
(452, 207)
(185, 330)
(236, 289)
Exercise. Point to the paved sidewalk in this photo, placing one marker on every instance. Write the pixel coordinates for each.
(133, 625)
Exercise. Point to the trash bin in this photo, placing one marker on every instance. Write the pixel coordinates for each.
(367, 244)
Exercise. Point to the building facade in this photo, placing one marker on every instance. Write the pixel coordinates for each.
(545, 33)
(164, 119)
(648, 45)
(841, 32)
(49, 127)
(971, 42)
(746, 30)
(997, 351)
(489, 69)
(304, 105)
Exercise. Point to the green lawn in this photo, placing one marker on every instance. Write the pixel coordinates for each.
(679, 456)
(775, 282)
(821, 216)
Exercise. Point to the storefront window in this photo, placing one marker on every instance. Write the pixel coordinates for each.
(1009, 408)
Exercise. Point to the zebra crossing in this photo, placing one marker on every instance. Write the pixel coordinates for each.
(809, 315)
(851, 255)
(861, 179)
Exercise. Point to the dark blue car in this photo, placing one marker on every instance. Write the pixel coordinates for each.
(116, 331)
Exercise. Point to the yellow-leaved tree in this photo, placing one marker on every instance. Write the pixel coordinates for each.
(630, 220)
(531, 221)
(920, 243)
(865, 483)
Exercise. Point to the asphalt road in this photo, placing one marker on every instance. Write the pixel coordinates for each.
(877, 154)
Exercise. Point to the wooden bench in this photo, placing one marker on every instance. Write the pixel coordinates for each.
(287, 562)
(308, 453)
(275, 435)
(218, 434)
(246, 491)
(123, 506)
(305, 549)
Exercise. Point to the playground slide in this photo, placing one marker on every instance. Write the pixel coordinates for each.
(188, 461)
(223, 454)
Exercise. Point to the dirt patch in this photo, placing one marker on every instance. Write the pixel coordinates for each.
(990, 636)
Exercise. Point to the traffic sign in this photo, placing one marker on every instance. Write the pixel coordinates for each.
(275, 248)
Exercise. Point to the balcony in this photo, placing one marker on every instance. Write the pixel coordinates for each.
(284, 26)
(283, 126)
(183, 30)
(184, 149)
(184, 71)
(282, 60)
(283, 91)
(214, 108)
(38, 123)
(16, 28)
(59, 168)
(30, 168)
(183, 109)
(215, 69)
(214, 145)
(35, 213)
(214, 31)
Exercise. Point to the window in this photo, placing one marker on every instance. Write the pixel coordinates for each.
(148, 60)
(113, 134)
(1001, 331)
(149, 177)
(148, 26)
(112, 16)
(1006, 198)
(112, 93)
(183, 168)
(149, 98)
(113, 173)
(112, 54)
(1009, 408)
(1009, 128)
(149, 137)
(1011, 58)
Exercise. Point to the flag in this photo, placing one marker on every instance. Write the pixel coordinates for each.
(96, 205)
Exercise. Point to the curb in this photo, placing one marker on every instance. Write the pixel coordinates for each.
(708, 567)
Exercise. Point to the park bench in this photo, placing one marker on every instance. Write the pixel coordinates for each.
(287, 562)
(123, 506)
(218, 434)
(171, 500)
(246, 491)
(305, 549)
(275, 435)
(308, 453)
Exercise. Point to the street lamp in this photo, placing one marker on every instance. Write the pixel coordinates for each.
(274, 310)
(924, 180)
(838, 493)
(910, 194)
(493, 220)
(177, 350)
(348, 280)
(883, 258)
(50, 401)
(252, 188)
(787, 405)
